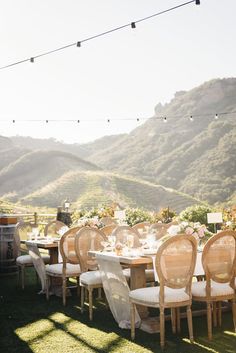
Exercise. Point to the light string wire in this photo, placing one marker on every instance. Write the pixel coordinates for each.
(164, 118)
(78, 43)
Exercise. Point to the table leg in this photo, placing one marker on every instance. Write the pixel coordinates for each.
(138, 280)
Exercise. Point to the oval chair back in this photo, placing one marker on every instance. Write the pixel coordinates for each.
(122, 232)
(88, 238)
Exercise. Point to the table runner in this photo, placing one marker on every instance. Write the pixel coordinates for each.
(116, 289)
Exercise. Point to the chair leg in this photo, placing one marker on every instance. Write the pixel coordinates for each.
(99, 294)
(190, 323)
(162, 327)
(23, 277)
(82, 300)
(219, 314)
(47, 287)
(90, 292)
(178, 319)
(234, 313)
(209, 321)
(173, 320)
(78, 287)
(132, 320)
(64, 290)
(214, 314)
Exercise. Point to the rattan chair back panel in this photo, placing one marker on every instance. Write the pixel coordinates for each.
(107, 230)
(219, 257)
(87, 239)
(175, 262)
(122, 232)
(142, 228)
(160, 229)
(53, 227)
(67, 246)
(108, 220)
(22, 230)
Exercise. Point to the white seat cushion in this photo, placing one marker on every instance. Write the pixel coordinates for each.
(149, 274)
(150, 295)
(56, 269)
(91, 278)
(217, 289)
(24, 260)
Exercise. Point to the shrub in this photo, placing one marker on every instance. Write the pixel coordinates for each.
(137, 215)
(197, 213)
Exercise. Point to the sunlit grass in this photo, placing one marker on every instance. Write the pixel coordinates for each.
(29, 323)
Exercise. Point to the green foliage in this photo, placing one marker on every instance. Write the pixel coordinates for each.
(137, 215)
(197, 213)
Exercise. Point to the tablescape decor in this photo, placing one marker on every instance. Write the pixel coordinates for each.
(90, 222)
(198, 230)
(119, 249)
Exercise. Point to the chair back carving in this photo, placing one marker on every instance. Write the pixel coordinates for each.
(88, 238)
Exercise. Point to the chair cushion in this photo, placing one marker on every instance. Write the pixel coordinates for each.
(56, 269)
(24, 260)
(217, 289)
(91, 278)
(150, 295)
(149, 274)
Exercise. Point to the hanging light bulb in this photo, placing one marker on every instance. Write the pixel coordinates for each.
(46, 121)
(216, 117)
(78, 121)
(78, 44)
(32, 60)
(108, 120)
(133, 25)
(137, 119)
(13, 121)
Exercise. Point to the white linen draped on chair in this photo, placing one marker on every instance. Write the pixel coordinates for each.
(116, 289)
(39, 265)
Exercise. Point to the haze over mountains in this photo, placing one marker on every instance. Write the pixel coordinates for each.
(194, 157)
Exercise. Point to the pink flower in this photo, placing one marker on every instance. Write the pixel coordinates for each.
(189, 230)
(201, 232)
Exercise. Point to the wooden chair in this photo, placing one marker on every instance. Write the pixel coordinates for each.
(142, 228)
(70, 263)
(89, 238)
(52, 229)
(219, 263)
(108, 220)
(175, 262)
(24, 261)
(107, 230)
(160, 229)
(121, 233)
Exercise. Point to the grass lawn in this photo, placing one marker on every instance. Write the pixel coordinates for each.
(28, 323)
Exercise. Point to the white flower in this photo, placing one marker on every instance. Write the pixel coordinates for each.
(173, 230)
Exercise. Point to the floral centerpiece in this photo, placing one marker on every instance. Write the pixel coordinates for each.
(198, 230)
(90, 222)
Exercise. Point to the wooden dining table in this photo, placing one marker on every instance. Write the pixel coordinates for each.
(48, 244)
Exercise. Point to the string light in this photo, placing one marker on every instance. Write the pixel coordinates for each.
(161, 118)
(78, 43)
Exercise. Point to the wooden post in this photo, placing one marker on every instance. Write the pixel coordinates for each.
(35, 219)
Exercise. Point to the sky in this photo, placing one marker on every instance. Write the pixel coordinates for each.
(118, 77)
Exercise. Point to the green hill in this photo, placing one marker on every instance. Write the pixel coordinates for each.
(94, 188)
(36, 169)
(197, 157)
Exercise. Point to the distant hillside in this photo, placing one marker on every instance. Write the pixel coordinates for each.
(88, 189)
(197, 157)
(34, 170)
